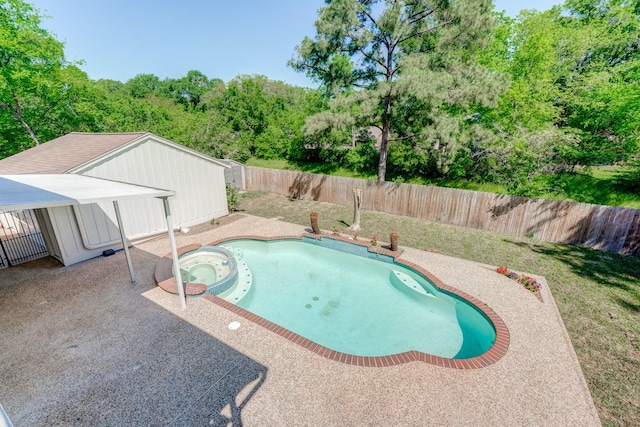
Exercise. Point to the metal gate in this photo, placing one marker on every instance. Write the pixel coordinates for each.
(20, 238)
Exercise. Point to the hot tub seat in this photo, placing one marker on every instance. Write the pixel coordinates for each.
(190, 289)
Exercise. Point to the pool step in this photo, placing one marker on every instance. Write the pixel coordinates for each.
(243, 286)
(403, 281)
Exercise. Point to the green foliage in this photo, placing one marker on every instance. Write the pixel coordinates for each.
(573, 95)
(629, 179)
(414, 65)
(190, 89)
(259, 117)
(143, 85)
(43, 97)
(363, 158)
(406, 162)
(31, 80)
(232, 198)
(602, 95)
(464, 97)
(601, 185)
(517, 158)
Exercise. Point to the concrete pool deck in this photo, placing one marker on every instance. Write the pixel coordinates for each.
(83, 346)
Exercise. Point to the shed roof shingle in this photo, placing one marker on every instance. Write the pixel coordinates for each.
(65, 153)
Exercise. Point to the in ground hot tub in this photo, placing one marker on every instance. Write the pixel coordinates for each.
(217, 268)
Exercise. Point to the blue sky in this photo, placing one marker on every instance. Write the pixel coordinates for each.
(118, 39)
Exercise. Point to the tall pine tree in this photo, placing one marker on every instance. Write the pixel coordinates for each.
(406, 67)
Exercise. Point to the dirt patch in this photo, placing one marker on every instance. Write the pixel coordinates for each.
(215, 223)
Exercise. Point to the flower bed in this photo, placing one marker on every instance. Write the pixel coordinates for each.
(527, 281)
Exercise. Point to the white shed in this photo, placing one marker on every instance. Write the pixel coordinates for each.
(79, 232)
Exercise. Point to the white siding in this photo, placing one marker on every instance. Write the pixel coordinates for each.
(67, 234)
(97, 228)
(198, 183)
(48, 234)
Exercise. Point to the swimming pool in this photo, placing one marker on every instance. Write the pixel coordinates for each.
(355, 302)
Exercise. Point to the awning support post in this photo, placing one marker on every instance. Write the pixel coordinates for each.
(174, 254)
(125, 244)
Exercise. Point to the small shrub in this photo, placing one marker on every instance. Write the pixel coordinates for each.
(232, 198)
(363, 158)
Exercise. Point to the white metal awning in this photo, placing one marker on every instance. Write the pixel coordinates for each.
(18, 192)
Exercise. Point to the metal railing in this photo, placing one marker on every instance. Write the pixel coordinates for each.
(20, 238)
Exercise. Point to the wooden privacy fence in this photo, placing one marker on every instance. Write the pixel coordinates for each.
(604, 228)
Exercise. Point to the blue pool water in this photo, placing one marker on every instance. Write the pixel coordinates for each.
(356, 302)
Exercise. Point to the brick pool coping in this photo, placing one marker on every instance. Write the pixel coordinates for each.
(164, 276)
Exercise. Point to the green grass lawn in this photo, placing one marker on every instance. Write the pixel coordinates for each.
(319, 168)
(598, 185)
(597, 293)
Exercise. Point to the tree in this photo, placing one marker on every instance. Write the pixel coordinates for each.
(537, 53)
(255, 116)
(31, 61)
(357, 204)
(602, 95)
(75, 107)
(188, 90)
(528, 51)
(143, 85)
(380, 60)
(573, 93)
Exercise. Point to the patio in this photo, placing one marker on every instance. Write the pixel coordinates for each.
(84, 346)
